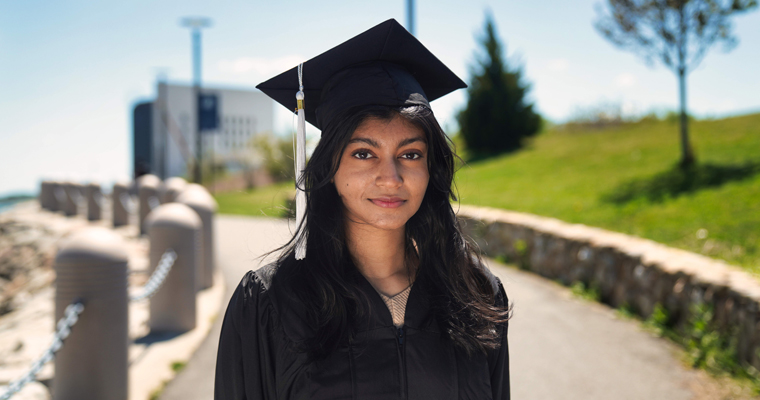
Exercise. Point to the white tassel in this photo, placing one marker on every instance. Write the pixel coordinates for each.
(300, 163)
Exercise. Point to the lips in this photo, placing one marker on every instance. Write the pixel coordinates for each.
(388, 202)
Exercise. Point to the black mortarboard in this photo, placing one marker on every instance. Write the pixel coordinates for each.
(385, 65)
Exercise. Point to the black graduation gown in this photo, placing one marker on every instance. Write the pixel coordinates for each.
(382, 362)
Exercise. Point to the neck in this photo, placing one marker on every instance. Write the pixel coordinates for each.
(379, 255)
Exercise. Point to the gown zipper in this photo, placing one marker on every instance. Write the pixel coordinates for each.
(402, 359)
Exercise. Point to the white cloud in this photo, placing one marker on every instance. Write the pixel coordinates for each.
(625, 80)
(559, 65)
(260, 66)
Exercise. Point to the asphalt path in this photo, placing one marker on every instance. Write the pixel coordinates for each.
(561, 347)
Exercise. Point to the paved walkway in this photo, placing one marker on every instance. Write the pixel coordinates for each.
(560, 346)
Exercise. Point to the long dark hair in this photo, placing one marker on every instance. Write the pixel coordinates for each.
(449, 268)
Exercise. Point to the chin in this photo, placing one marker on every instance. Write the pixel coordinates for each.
(390, 226)
(387, 222)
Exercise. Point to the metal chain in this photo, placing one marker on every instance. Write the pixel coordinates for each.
(63, 329)
(159, 275)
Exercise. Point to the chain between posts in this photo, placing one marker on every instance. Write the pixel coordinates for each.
(63, 329)
(157, 278)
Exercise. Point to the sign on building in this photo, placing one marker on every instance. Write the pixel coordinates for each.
(208, 112)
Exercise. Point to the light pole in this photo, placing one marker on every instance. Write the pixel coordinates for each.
(410, 15)
(196, 24)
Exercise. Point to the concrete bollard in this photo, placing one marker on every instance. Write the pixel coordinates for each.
(175, 226)
(198, 198)
(120, 202)
(51, 203)
(171, 188)
(147, 190)
(80, 198)
(93, 363)
(58, 198)
(133, 186)
(71, 202)
(46, 193)
(95, 202)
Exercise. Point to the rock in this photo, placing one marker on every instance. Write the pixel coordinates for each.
(26, 251)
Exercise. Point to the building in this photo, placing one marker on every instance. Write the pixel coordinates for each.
(164, 141)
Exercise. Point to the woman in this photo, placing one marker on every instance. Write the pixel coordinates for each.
(389, 301)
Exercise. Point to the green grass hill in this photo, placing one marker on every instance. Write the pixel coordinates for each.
(624, 179)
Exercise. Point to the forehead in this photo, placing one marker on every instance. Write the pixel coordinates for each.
(394, 129)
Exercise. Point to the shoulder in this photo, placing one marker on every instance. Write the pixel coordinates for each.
(272, 287)
(271, 284)
(265, 275)
(254, 286)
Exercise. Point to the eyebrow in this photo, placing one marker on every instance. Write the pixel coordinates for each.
(375, 145)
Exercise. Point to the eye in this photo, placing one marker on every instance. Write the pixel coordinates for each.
(361, 154)
(412, 155)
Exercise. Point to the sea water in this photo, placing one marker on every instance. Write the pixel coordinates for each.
(7, 205)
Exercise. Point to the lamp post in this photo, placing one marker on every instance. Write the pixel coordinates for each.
(196, 24)
(410, 15)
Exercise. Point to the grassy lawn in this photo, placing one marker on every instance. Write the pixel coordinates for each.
(570, 176)
(269, 201)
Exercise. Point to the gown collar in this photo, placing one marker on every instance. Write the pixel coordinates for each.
(417, 314)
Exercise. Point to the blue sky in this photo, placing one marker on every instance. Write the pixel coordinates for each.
(71, 71)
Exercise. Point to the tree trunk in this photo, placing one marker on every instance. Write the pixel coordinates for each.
(687, 154)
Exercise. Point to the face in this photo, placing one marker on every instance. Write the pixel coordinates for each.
(383, 173)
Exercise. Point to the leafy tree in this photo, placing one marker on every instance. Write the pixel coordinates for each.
(497, 117)
(277, 154)
(677, 32)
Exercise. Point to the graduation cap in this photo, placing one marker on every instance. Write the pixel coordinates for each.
(386, 65)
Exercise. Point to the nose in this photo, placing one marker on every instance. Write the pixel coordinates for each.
(389, 174)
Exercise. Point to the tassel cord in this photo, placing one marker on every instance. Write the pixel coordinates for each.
(300, 164)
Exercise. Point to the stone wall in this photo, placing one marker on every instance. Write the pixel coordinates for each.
(626, 270)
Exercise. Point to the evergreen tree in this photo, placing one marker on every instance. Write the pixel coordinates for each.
(497, 117)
